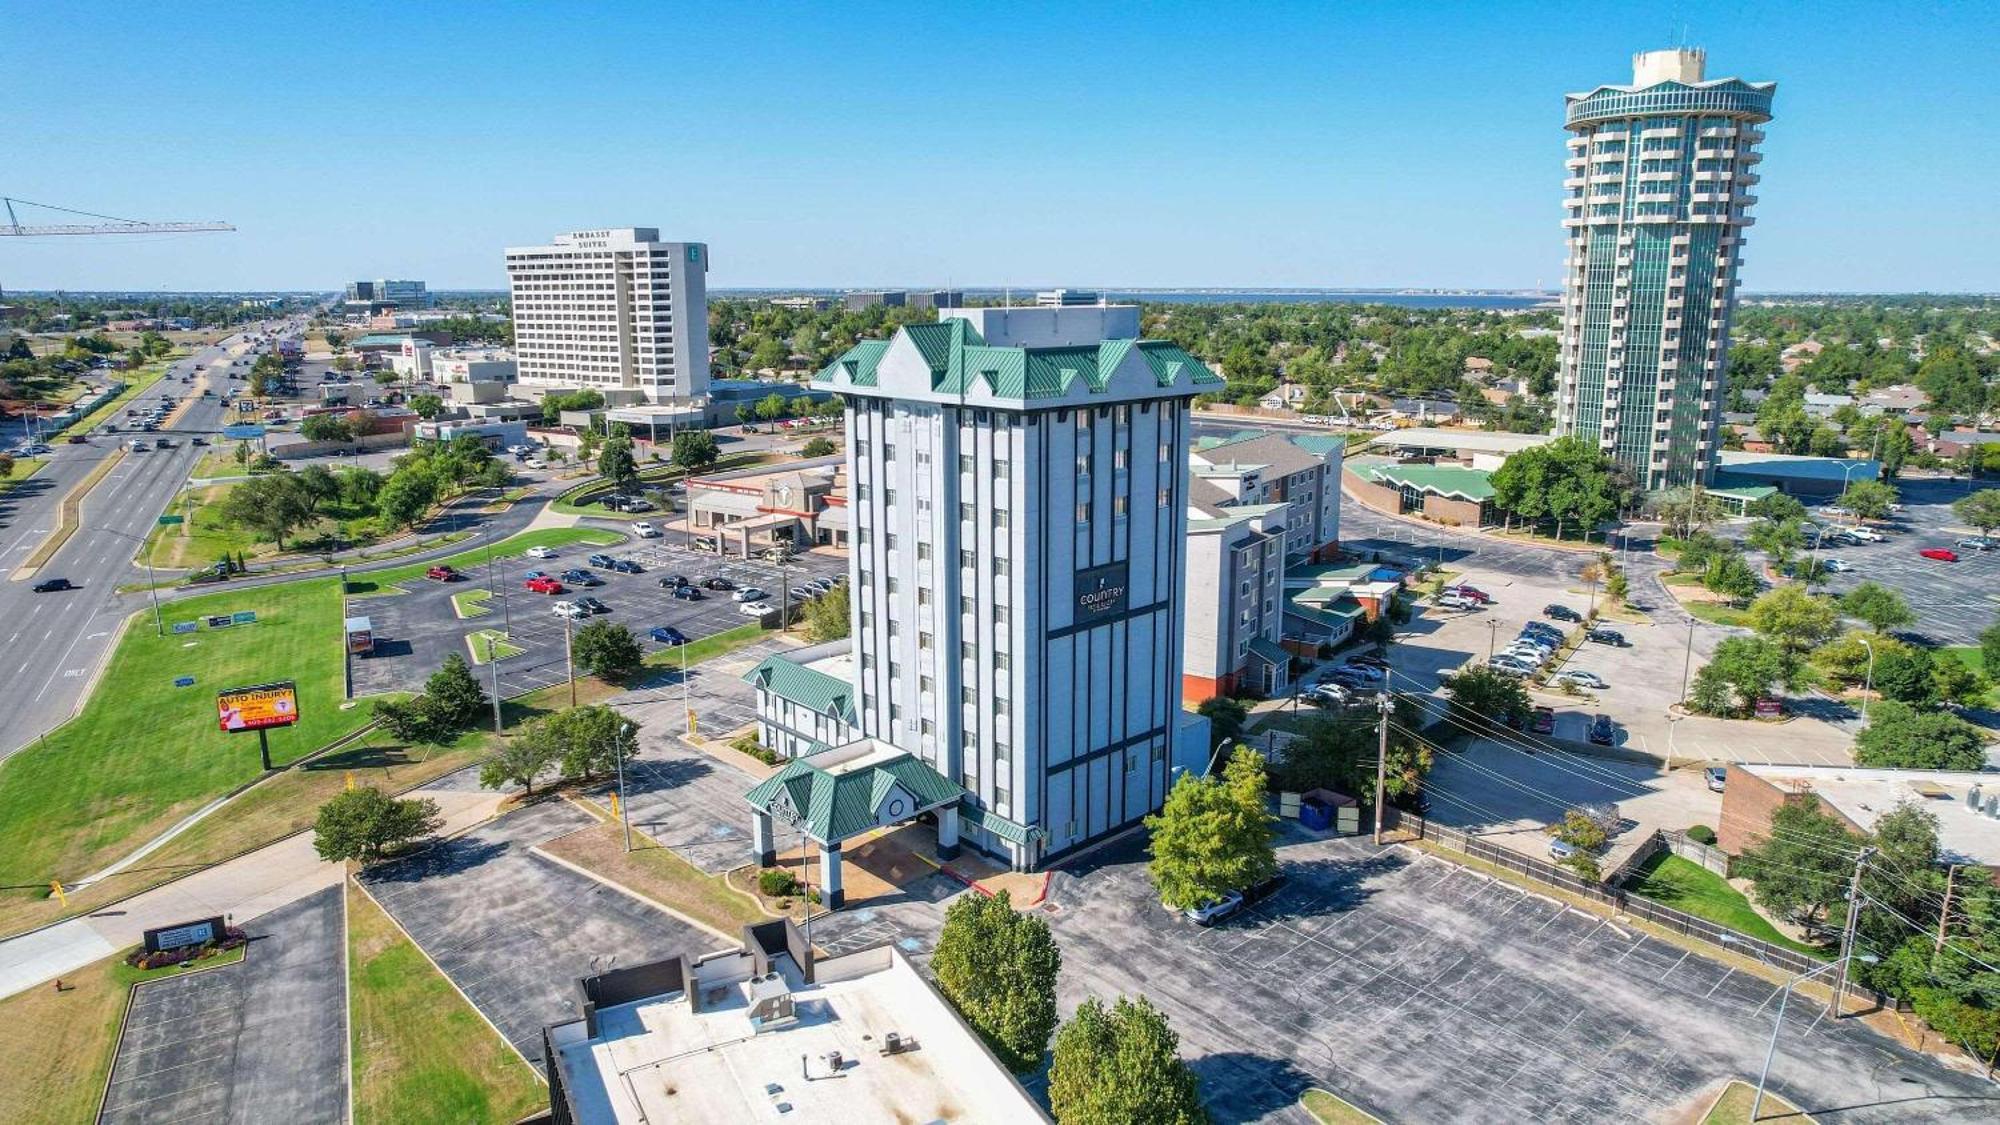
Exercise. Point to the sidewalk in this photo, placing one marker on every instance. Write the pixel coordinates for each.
(241, 889)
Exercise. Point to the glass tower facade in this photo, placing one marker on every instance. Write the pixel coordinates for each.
(1658, 199)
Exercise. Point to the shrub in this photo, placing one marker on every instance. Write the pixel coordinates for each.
(1584, 866)
(1702, 834)
(748, 744)
(777, 883)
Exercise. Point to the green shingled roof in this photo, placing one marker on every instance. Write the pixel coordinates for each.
(835, 806)
(961, 361)
(1319, 445)
(1445, 480)
(807, 687)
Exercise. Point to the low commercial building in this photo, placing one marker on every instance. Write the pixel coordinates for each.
(1449, 494)
(1235, 602)
(745, 513)
(1966, 805)
(767, 1030)
(1478, 449)
(495, 434)
(805, 699)
(1300, 471)
(1796, 476)
(474, 365)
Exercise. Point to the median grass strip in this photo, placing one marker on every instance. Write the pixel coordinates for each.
(654, 871)
(1686, 885)
(52, 1070)
(420, 1052)
(707, 648)
(72, 512)
(582, 500)
(390, 580)
(144, 752)
(1332, 1109)
(488, 645)
(471, 603)
(1733, 1107)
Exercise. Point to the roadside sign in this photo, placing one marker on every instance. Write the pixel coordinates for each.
(218, 621)
(183, 681)
(244, 617)
(243, 431)
(169, 521)
(186, 626)
(259, 707)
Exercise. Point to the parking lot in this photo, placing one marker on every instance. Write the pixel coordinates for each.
(1423, 991)
(1952, 601)
(513, 930)
(422, 626)
(264, 1040)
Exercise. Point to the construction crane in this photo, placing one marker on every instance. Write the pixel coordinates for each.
(112, 225)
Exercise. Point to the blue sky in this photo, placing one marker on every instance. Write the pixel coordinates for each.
(857, 145)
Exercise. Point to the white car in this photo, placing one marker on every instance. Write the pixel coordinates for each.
(1834, 566)
(1865, 534)
(645, 530)
(754, 609)
(1581, 678)
(748, 594)
(541, 552)
(536, 463)
(570, 610)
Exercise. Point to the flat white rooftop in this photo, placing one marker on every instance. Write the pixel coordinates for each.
(657, 1060)
(1481, 441)
(1865, 795)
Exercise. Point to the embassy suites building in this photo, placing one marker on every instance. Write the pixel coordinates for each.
(1018, 497)
(1658, 199)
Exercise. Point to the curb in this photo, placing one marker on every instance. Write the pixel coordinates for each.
(72, 517)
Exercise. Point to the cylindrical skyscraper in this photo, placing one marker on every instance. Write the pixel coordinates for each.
(1658, 199)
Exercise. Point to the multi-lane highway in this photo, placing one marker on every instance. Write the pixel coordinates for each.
(50, 644)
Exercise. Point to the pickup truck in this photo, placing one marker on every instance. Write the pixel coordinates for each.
(443, 573)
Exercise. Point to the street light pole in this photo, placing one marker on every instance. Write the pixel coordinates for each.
(1382, 704)
(624, 806)
(1867, 685)
(1770, 1052)
(1687, 661)
(152, 582)
(569, 654)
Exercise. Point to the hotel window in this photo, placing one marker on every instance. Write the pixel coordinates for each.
(923, 550)
(964, 604)
(923, 595)
(968, 696)
(861, 537)
(1083, 512)
(1000, 518)
(999, 662)
(1000, 468)
(999, 568)
(1166, 451)
(967, 651)
(895, 670)
(888, 451)
(965, 559)
(926, 726)
(1124, 415)
(1166, 497)
(1118, 456)
(924, 642)
(861, 491)
(1000, 708)
(1001, 799)
(965, 513)
(893, 629)
(893, 584)
(867, 620)
(1000, 615)
(867, 661)
(895, 712)
(965, 462)
(926, 685)
(1118, 507)
(891, 537)
(867, 576)
(1083, 464)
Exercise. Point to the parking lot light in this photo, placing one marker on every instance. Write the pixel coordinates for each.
(624, 807)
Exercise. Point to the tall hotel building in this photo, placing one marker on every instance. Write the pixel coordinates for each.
(1019, 503)
(616, 311)
(1659, 184)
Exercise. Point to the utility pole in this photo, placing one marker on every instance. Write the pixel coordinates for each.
(1944, 915)
(1847, 932)
(1384, 705)
(493, 666)
(1492, 632)
(569, 654)
(1687, 661)
(624, 806)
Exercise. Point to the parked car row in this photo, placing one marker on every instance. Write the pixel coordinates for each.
(1535, 647)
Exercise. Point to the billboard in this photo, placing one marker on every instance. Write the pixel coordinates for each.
(1100, 592)
(258, 708)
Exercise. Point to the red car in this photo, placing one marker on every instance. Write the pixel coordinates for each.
(443, 574)
(1941, 554)
(1470, 593)
(545, 586)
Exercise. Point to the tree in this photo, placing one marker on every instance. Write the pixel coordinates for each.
(1958, 684)
(455, 694)
(745, 414)
(694, 450)
(1880, 607)
(1121, 1066)
(1777, 506)
(1905, 674)
(772, 407)
(1213, 837)
(326, 427)
(1684, 511)
(1989, 650)
(998, 967)
(584, 741)
(1742, 671)
(1482, 698)
(827, 616)
(272, 506)
(1579, 829)
(1778, 540)
(1796, 620)
(1981, 509)
(816, 447)
(519, 761)
(608, 651)
(363, 825)
(1868, 499)
(1802, 867)
(406, 496)
(1226, 716)
(359, 486)
(426, 406)
(1568, 480)
(1848, 658)
(414, 721)
(1899, 736)
(616, 463)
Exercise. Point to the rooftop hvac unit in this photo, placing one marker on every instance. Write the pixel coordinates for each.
(1993, 806)
(1972, 798)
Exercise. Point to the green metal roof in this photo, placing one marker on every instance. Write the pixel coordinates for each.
(835, 806)
(961, 361)
(807, 687)
(1319, 445)
(1270, 652)
(1445, 480)
(999, 825)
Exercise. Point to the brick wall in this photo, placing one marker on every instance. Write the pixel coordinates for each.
(1380, 497)
(1747, 804)
(1196, 690)
(1458, 513)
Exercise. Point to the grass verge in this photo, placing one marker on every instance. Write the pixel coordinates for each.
(143, 753)
(707, 648)
(420, 1052)
(1715, 613)
(389, 581)
(56, 1074)
(137, 382)
(1733, 1107)
(20, 470)
(488, 645)
(578, 501)
(655, 872)
(1974, 661)
(1686, 885)
(1332, 1109)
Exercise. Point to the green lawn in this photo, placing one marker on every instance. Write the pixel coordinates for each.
(1969, 655)
(387, 581)
(420, 1052)
(472, 603)
(707, 648)
(1331, 1109)
(144, 753)
(490, 644)
(1733, 1107)
(202, 536)
(1686, 885)
(22, 469)
(1716, 613)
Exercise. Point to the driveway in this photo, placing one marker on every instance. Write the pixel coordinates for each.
(260, 1041)
(514, 931)
(1422, 991)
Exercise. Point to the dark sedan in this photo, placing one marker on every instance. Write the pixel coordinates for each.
(53, 585)
(667, 635)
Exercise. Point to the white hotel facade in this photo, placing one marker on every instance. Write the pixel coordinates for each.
(616, 311)
(1019, 504)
